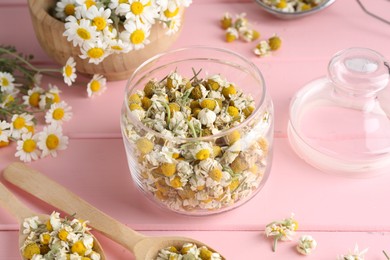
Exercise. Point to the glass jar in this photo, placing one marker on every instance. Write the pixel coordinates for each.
(341, 123)
(201, 163)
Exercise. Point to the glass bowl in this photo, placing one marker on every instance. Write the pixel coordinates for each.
(291, 14)
(181, 162)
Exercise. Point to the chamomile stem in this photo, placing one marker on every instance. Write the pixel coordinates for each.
(275, 244)
(388, 258)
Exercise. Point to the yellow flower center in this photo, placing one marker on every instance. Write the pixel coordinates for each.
(137, 8)
(116, 48)
(29, 145)
(45, 239)
(203, 154)
(69, 9)
(79, 248)
(95, 86)
(83, 34)
(34, 99)
(122, 1)
(5, 82)
(56, 98)
(19, 123)
(63, 234)
(68, 70)
(170, 14)
(89, 3)
(58, 113)
(30, 128)
(137, 37)
(95, 52)
(282, 4)
(100, 23)
(52, 141)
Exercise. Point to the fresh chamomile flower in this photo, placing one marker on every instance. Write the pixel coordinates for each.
(58, 113)
(79, 31)
(170, 10)
(20, 124)
(33, 96)
(118, 46)
(6, 82)
(69, 71)
(140, 11)
(173, 25)
(96, 52)
(27, 149)
(52, 95)
(100, 18)
(51, 140)
(4, 131)
(306, 245)
(355, 255)
(136, 34)
(86, 3)
(96, 86)
(65, 8)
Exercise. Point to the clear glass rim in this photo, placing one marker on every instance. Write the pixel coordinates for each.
(319, 7)
(222, 133)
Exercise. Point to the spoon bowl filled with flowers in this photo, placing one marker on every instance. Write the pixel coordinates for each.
(110, 38)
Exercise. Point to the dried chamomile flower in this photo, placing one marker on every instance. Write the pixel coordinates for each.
(238, 28)
(306, 245)
(281, 230)
(354, 255)
(292, 6)
(188, 251)
(262, 49)
(275, 43)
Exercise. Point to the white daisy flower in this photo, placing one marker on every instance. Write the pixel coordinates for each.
(52, 140)
(79, 31)
(49, 97)
(136, 34)
(173, 25)
(69, 71)
(86, 3)
(100, 18)
(27, 149)
(96, 86)
(119, 46)
(96, 52)
(140, 11)
(65, 8)
(20, 124)
(4, 131)
(8, 98)
(170, 9)
(6, 82)
(58, 113)
(355, 255)
(33, 96)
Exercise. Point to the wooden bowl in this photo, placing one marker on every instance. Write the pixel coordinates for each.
(49, 30)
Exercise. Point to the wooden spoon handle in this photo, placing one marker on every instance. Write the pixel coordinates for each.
(13, 205)
(53, 193)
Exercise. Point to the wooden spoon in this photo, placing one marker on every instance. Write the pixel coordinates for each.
(37, 184)
(21, 212)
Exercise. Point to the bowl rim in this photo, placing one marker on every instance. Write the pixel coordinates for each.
(282, 14)
(223, 133)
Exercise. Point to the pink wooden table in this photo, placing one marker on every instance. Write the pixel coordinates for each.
(338, 212)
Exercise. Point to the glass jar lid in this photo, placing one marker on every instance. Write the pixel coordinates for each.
(341, 123)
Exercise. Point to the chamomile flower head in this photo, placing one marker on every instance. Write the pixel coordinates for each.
(356, 254)
(100, 17)
(80, 31)
(173, 25)
(140, 11)
(52, 140)
(8, 98)
(20, 124)
(306, 245)
(119, 46)
(96, 52)
(6, 82)
(65, 8)
(169, 10)
(96, 86)
(136, 34)
(33, 97)
(58, 113)
(262, 49)
(5, 131)
(69, 71)
(27, 148)
(86, 3)
(51, 96)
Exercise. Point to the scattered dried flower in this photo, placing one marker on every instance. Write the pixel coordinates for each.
(306, 245)
(281, 230)
(355, 255)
